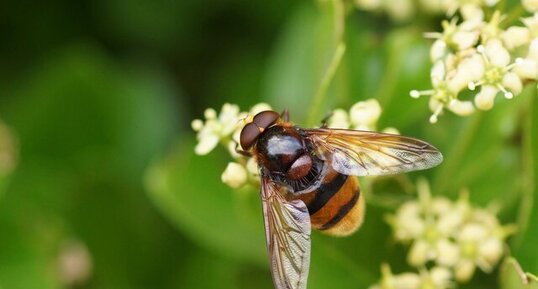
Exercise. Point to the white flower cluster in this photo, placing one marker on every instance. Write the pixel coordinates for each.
(451, 235)
(436, 278)
(225, 128)
(403, 10)
(479, 54)
(363, 115)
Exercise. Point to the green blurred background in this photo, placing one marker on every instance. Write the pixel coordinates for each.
(96, 99)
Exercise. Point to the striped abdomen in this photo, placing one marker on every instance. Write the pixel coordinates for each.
(336, 207)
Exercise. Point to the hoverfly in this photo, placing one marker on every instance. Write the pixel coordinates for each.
(306, 182)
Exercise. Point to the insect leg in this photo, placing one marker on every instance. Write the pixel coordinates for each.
(324, 121)
(285, 115)
(242, 152)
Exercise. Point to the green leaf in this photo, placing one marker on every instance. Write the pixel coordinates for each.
(512, 276)
(406, 68)
(350, 262)
(525, 242)
(87, 126)
(301, 56)
(188, 190)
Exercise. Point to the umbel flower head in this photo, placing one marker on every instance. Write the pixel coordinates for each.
(216, 127)
(362, 115)
(225, 128)
(484, 55)
(454, 235)
(436, 278)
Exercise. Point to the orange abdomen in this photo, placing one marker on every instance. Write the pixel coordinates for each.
(337, 206)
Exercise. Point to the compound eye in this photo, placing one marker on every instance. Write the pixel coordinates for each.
(248, 136)
(266, 118)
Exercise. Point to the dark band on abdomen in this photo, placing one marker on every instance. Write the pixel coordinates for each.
(344, 210)
(325, 193)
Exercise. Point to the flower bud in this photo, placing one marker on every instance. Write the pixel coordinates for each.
(512, 81)
(462, 108)
(491, 250)
(339, 119)
(365, 112)
(418, 254)
(259, 107)
(448, 253)
(515, 36)
(526, 68)
(234, 175)
(485, 99)
(368, 4)
(530, 5)
(464, 271)
(207, 142)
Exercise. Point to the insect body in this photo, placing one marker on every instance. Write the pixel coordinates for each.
(307, 182)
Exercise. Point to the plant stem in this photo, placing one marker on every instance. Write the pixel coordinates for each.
(339, 20)
(325, 82)
(527, 188)
(513, 16)
(451, 164)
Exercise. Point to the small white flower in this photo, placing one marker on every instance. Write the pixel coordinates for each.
(464, 271)
(235, 175)
(252, 168)
(420, 253)
(439, 50)
(407, 223)
(216, 127)
(512, 82)
(469, 70)
(207, 140)
(448, 253)
(368, 4)
(486, 97)
(257, 108)
(400, 281)
(450, 221)
(532, 24)
(391, 130)
(472, 12)
(445, 91)
(197, 125)
(533, 49)
(497, 75)
(400, 10)
(365, 113)
(455, 36)
(530, 5)
(452, 234)
(436, 278)
(224, 127)
(527, 68)
(491, 250)
(515, 37)
(339, 119)
(440, 277)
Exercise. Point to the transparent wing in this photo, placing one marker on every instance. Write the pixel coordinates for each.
(287, 231)
(365, 153)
